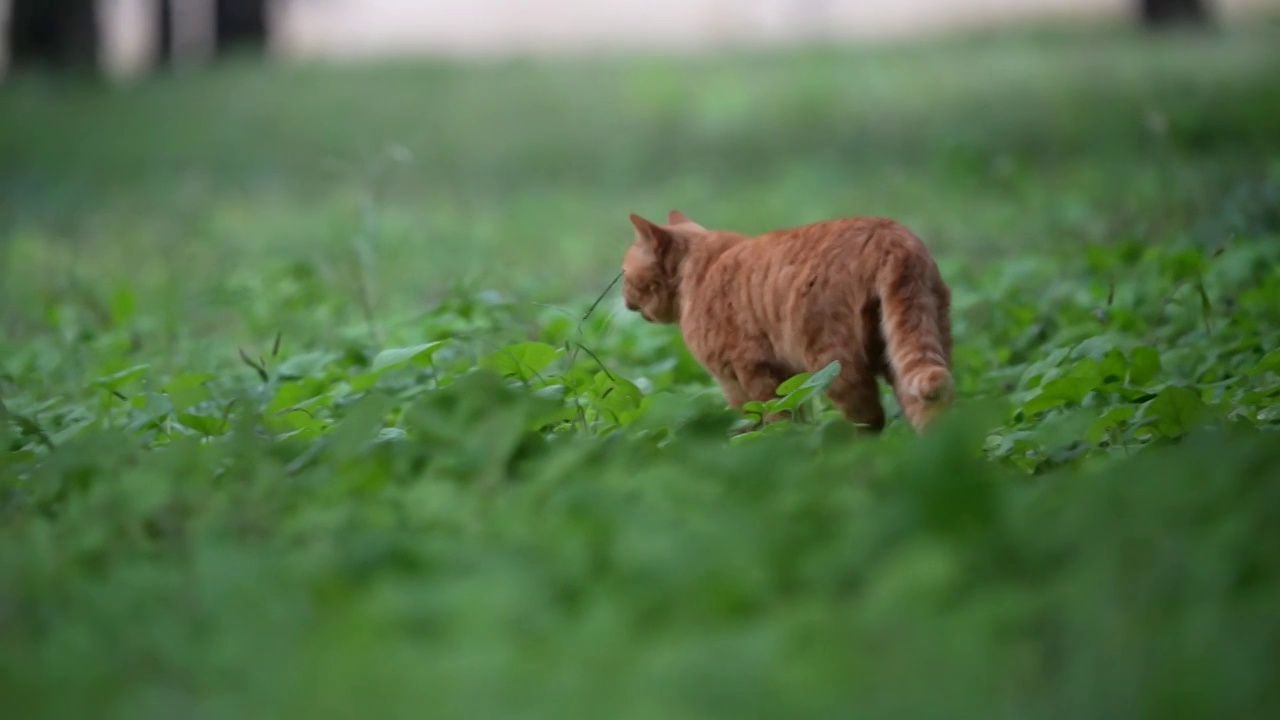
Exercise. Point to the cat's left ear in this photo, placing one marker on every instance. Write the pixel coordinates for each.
(658, 237)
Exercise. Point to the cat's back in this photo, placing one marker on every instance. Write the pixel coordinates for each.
(847, 234)
(835, 246)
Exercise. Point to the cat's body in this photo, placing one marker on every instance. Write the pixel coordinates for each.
(756, 310)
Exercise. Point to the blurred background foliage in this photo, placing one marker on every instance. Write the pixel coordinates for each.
(301, 418)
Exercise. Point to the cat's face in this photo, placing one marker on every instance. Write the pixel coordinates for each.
(647, 287)
(650, 268)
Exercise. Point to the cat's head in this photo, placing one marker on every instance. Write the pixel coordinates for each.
(651, 266)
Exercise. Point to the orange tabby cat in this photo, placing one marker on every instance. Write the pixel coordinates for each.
(756, 310)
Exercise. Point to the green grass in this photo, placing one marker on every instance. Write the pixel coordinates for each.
(301, 416)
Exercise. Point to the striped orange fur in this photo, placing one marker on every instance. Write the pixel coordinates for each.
(756, 310)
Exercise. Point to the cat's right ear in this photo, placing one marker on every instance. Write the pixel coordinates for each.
(675, 217)
(657, 237)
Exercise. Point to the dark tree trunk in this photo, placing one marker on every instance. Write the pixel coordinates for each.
(242, 25)
(1166, 13)
(238, 25)
(60, 34)
(164, 32)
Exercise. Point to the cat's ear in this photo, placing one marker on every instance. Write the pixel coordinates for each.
(675, 217)
(640, 224)
(656, 236)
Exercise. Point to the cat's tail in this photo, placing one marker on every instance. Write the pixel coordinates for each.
(915, 321)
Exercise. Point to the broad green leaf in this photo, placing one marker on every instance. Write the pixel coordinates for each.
(396, 357)
(1081, 379)
(1087, 370)
(793, 383)
(295, 392)
(822, 379)
(1174, 411)
(1269, 414)
(1036, 372)
(813, 384)
(1269, 363)
(391, 434)
(115, 381)
(1095, 348)
(1063, 429)
(298, 417)
(185, 391)
(554, 391)
(523, 360)
(150, 408)
(1144, 365)
(208, 425)
(363, 381)
(304, 365)
(1114, 367)
(618, 394)
(1047, 399)
(1111, 419)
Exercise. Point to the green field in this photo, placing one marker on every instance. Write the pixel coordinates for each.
(302, 417)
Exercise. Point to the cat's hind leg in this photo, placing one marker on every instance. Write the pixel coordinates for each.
(857, 394)
(733, 392)
(759, 381)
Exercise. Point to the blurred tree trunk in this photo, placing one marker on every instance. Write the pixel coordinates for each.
(60, 34)
(195, 31)
(242, 25)
(164, 30)
(191, 35)
(1164, 13)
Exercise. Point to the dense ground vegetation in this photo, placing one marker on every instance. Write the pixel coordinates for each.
(304, 413)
